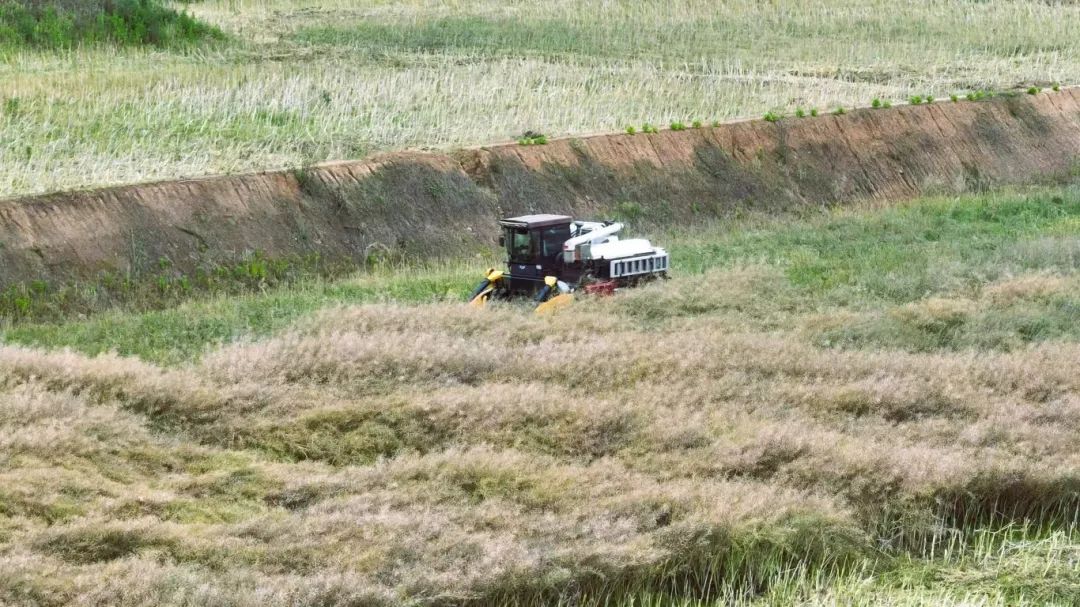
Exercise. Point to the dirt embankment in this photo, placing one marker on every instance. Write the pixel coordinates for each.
(428, 204)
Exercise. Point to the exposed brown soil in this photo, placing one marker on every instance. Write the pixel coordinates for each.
(429, 204)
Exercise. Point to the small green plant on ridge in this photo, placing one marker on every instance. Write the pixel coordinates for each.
(678, 126)
(771, 117)
(532, 138)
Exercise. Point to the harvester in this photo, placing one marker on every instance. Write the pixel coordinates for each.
(551, 257)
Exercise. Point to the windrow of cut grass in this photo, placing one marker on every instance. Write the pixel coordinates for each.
(430, 451)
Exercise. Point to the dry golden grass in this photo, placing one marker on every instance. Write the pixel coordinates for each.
(390, 453)
(788, 419)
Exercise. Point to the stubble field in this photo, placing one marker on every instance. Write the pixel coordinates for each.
(295, 82)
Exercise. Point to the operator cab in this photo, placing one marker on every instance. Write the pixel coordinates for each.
(534, 246)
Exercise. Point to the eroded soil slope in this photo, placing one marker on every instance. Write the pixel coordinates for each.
(418, 204)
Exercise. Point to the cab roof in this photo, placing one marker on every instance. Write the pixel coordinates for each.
(536, 221)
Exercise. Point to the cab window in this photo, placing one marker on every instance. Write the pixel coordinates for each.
(519, 245)
(552, 240)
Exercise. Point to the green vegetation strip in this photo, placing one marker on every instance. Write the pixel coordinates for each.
(883, 267)
(66, 24)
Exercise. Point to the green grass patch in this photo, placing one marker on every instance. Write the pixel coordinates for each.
(898, 255)
(185, 331)
(876, 263)
(65, 24)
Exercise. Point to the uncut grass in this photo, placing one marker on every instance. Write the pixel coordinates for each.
(172, 326)
(64, 24)
(301, 82)
(993, 271)
(1013, 565)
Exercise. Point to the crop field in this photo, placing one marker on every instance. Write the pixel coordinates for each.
(866, 404)
(285, 83)
(860, 406)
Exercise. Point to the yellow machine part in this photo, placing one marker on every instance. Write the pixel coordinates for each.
(555, 304)
(493, 277)
(481, 299)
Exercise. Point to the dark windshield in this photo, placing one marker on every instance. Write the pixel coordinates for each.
(540, 245)
(519, 245)
(553, 239)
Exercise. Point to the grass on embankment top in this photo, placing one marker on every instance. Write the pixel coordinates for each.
(990, 271)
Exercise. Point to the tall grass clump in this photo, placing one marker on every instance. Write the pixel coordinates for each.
(65, 24)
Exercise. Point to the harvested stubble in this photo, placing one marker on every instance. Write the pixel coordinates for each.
(301, 81)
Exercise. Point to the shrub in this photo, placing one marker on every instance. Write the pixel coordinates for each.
(813, 111)
(696, 124)
(630, 130)
(876, 103)
(716, 123)
(629, 211)
(839, 111)
(771, 117)
(915, 99)
(60, 25)
(800, 113)
(1034, 90)
(678, 126)
(954, 98)
(929, 98)
(886, 104)
(532, 138)
(648, 128)
(11, 106)
(1055, 87)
